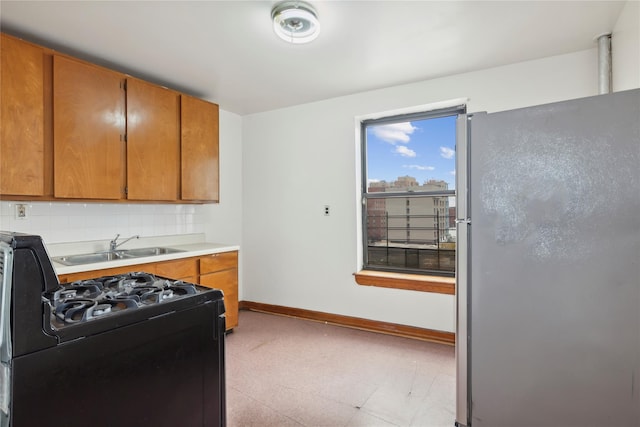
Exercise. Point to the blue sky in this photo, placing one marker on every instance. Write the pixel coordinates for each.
(424, 149)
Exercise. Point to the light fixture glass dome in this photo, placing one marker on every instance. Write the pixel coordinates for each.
(295, 22)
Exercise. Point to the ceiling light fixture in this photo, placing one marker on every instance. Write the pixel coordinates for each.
(295, 22)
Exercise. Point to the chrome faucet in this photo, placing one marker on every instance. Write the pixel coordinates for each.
(113, 244)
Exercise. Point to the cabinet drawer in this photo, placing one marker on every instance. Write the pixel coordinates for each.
(218, 262)
(179, 269)
(92, 274)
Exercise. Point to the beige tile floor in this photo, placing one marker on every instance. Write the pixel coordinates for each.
(291, 372)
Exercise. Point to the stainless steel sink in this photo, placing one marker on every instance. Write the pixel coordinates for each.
(113, 255)
(91, 258)
(151, 251)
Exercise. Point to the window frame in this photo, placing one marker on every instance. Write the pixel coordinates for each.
(425, 114)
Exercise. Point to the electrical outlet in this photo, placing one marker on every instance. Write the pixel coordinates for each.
(21, 211)
(327, 211)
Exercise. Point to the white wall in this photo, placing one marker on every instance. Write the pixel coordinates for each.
(62, 222)
(222, 221)
(296, 160)
(625, 50)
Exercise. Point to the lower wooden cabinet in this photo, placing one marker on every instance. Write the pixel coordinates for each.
(218, 271)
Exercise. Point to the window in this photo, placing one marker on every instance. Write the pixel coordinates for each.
(409, 193)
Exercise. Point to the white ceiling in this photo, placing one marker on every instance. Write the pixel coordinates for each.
(226, 51)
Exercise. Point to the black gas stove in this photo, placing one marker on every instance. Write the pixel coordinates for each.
(136, 340)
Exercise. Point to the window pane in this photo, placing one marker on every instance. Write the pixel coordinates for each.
(409, 175)
(412, 156)
(412, 232)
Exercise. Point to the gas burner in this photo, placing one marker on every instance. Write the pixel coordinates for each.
(101, 309)
(147, 294)
(110, 282)
(74, 310)
(182, 288)
(87, 289)
(106, 307)
(68, 294)
(141, 277)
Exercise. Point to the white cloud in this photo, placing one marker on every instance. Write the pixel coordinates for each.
(447, 152)
(419, 167)
(394, 133)
(404, 151)
(452, 173)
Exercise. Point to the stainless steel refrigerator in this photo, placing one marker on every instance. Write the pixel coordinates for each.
(548, 314)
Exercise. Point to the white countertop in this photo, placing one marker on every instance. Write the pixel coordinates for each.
(191, 245)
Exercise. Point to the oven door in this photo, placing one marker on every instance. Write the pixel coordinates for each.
(164, 371)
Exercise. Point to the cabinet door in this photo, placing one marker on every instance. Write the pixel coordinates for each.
(22, 143)
(199, 145)
(153, 145)
(227, 282)
(185, 269)
(88, 128)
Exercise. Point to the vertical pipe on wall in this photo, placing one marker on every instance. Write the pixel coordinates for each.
(604, 63)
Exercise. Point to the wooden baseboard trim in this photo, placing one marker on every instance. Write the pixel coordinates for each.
(448, 338)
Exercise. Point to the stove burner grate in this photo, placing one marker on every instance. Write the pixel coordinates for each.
(86, 300)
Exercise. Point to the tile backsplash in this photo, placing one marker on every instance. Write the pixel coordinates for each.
(59, 222)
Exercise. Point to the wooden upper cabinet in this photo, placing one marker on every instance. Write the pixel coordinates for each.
(22, 143)
(70, 129)
(153, 142)
(199, 145)
(88, 131)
